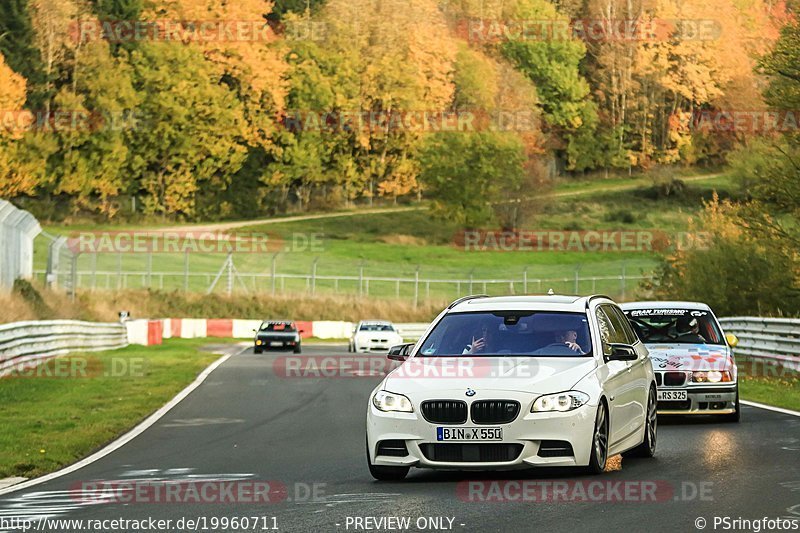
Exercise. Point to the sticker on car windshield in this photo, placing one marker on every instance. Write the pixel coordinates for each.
(664, 312)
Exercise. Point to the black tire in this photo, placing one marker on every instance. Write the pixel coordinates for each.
(257, 350)
(386, 473)
(736, 416)
(349, 347)
(297, 349)
(648, 446)
(598, 455)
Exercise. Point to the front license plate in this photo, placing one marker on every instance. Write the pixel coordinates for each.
(672, 395)
(471, 434)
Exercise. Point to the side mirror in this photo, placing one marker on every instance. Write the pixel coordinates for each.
(732, 339)
(622, 352)
(400, 352)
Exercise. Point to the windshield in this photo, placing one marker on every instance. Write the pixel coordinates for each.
(376, 327)
(681, 326)
(278, 326)
(509, 333)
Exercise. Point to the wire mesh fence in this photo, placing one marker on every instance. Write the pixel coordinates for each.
(267, 274)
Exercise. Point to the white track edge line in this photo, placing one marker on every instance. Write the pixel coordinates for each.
(130, 435)
(770, 408)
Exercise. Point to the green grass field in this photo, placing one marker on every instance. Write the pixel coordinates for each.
(52, 418)
(397, 244)
(772, 385)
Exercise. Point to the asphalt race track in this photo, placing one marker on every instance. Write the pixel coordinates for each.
(304, 437)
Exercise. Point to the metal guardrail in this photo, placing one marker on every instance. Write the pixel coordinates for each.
(776, 339)
(24, 343)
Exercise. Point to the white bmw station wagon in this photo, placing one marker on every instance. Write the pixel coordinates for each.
(514, 382)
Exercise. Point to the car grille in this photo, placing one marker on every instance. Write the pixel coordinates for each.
(494, 411)
(471, 453)
(555, 448)
(392, 448)
(675, 405)
(445, 411)
(674, 379)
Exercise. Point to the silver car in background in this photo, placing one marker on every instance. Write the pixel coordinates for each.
(374, 335)
(692, 357)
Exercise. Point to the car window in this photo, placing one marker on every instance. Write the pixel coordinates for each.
(606, 330)
(376, 327)
(621, 324)
(675, 325)
(278, 326)
(500, 333)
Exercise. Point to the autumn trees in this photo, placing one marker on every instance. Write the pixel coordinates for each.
(329, 102)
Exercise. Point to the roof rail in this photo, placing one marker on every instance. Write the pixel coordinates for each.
(466, 298)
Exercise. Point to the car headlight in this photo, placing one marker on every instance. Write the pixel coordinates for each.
(562, 401)
(390, 401)
(712, 376)
(258, 342)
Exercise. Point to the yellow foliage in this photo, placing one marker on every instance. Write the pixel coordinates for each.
(252, 56)
(12, 96)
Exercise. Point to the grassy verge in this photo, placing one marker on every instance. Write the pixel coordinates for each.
(72, 406)
(177, 304)
(780, 392)
(762, 382)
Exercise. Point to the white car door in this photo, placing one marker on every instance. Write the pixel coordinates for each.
(637, 370)
(625, 417)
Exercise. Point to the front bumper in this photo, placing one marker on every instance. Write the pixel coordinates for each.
(701, 400)
(526, 434)
(375, 345)
(276, 344)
